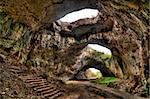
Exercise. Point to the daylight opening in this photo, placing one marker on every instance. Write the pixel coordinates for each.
(99, 67)
(100, 48)
(102, 55)
(81, 14)
(93, 73)
(98, 60)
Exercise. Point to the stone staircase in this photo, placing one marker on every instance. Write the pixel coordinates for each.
(42, 87)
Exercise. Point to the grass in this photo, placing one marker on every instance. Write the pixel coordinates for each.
(105, 80)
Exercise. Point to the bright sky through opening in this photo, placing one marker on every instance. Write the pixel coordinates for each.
(81, 14)
(100, 48)
(94, 70)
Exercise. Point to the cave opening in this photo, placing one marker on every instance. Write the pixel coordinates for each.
(80, 14)
(77, 18)
(100, 55)
(98, 60)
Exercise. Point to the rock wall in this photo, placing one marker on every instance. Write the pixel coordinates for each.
(28, 36)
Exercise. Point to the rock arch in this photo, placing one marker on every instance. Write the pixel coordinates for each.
(123, 29)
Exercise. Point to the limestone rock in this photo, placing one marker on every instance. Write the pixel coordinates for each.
(28, 37)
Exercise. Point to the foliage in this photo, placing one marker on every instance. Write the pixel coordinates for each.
(105, 80)
(100, 55)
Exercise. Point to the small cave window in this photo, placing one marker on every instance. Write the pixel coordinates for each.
(81, 14)
(99, 48)
(89, 73)
(93, 73)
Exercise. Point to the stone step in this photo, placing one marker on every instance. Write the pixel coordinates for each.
(16, 71)
(23, 68)
(37, 85)
(35, 80)
(51, 94)
(55, 96)
(43, 89)
(49, 91)
(25, 78)
(41, 86)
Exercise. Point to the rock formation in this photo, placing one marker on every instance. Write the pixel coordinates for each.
(29, 36)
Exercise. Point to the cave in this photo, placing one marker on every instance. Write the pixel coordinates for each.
(95, 56)
(99, 58)
(38, 50)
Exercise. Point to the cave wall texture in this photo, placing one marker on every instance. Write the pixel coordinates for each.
(28, 36)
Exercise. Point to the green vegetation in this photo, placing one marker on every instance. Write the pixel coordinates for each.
(105, 80)
(97, 75)
(100, 55)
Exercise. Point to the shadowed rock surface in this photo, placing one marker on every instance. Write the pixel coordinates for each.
(29, 37)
